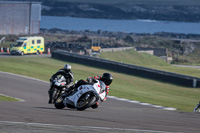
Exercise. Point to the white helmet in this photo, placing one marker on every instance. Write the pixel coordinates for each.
(67, 67)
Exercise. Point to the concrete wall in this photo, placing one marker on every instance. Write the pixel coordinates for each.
(19, 18)
(156, 51)
(147, 51)
(163, 76)
(115, 49)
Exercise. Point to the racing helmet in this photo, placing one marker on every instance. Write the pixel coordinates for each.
(67, 67)
(107, 78)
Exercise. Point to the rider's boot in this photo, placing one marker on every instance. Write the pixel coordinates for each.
(76, 85)
(50, 92)
(96, 105)
(71, 88)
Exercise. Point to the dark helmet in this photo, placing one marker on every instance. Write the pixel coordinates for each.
(67, 67)
(107, 78)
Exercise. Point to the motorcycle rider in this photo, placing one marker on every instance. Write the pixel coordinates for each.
(197, 107)
(68, 75)
(106, 78)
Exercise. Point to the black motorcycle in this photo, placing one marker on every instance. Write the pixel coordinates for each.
(58, 86)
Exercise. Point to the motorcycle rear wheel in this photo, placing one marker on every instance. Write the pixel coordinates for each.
(85, 102)
(59, 103)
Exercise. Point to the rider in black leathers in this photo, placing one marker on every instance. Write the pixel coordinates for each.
(68, 75)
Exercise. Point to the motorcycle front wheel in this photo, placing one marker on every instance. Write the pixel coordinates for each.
(55, 95)
(59, 103)
(85, 101)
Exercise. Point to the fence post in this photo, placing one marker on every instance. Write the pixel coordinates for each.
(194, 83)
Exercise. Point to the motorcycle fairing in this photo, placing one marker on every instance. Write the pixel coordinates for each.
(84, 89)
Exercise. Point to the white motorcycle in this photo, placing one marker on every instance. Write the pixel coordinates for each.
(82, 97)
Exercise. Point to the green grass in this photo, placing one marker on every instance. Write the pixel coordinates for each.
(125, 86)
(133, 57)
(147, 60)
(6, 98)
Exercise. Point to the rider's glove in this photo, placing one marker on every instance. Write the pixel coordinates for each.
(89, 80)
(50, 79)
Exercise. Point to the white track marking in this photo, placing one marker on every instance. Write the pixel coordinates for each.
(145, 104)
(113, 97)
(89, 127)
(20, 100)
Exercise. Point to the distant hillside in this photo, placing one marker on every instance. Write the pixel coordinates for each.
(169, 10)
(133, 57)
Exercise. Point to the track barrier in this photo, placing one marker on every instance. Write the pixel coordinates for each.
(163, 76)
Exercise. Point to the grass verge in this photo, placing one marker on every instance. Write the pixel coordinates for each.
(147, 60)
(6, 98)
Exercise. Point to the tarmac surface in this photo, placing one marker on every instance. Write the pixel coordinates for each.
(34, 115)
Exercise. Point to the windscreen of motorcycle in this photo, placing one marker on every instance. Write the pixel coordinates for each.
(102, 86)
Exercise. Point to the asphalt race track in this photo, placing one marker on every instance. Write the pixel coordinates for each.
(35, 115)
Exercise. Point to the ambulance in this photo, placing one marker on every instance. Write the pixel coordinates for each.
(28, 45)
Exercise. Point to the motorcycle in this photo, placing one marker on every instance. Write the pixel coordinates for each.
(197, 108)
(59, 87)
(82, 97)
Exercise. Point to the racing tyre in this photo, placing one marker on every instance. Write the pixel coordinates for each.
(55, 95)
(59, 103)
(85, 101)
